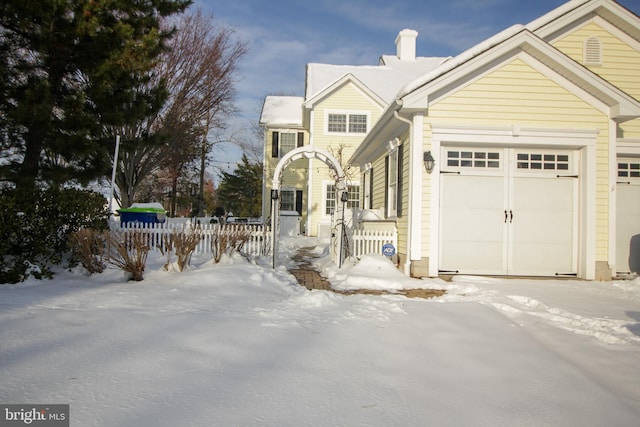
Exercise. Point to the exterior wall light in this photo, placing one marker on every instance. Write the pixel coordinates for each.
(429, 161)
(274, 194)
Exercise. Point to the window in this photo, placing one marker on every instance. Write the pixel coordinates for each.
(287, 143)
(592, 51)
(542, 161)
(337, 123)
(287, 200)
(347, 123)
(283, 142)
(473, 159)
(392, 184)
(353, 200)
(629, 169)
(357, 123)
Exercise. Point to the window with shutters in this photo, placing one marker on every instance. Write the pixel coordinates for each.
(347, 122)
(283, 142)
(287, 200)
(592, 51)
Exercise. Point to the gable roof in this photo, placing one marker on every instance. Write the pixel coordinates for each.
(505, 45)
(420, 93)
(554, 23)
(282, 111)
(381, 82)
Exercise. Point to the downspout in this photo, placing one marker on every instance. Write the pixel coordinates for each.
(407, 264)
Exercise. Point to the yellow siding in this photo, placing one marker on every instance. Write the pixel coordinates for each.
(516, 94)
(346, 98)
(620, 66)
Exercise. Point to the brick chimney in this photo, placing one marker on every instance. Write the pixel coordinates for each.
(406, 45)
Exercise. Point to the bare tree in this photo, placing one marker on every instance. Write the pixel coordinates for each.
(200, 71)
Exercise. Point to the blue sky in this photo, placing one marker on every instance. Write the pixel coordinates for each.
(284, 35)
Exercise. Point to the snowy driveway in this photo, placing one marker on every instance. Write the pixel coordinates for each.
(241, 344)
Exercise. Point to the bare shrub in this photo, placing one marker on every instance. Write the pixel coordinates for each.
(88, 246)
(185, 243)
(128, 251)
(228, 240)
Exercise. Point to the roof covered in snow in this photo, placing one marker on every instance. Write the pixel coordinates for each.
(282, 111)
(384, 80)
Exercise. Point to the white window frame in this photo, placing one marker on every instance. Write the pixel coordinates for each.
(392, 183)
(348, 115)
(293, 199)
(352, 203)
(281, 152)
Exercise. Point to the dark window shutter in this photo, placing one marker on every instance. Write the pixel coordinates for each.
(274, 145)
(371, 188)
(386, 186)
(299, 201)
(363, 193)
(300, 139)
(400, 180)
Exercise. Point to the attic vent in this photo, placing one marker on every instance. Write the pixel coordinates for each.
(592, 51)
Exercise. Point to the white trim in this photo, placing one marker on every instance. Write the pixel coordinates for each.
(434, 208)
(416, 170)
(629, 147)
(516, 136)
(613, 174)
(337, 84)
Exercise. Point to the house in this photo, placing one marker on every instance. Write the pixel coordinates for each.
(519, 156)
(340, 106)
(535, 137)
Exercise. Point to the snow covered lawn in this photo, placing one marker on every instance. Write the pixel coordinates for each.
(240, 344)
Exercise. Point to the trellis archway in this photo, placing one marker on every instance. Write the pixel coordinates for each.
(308, 152)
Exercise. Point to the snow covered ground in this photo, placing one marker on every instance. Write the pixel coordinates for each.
(241, 344)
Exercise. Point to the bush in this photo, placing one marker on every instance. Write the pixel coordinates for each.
(34, 228)
(88, 246)
(228, 240)
(128, 251)
(184, 242)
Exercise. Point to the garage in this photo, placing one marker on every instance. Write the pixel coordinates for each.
(628, 216)
(508, 211)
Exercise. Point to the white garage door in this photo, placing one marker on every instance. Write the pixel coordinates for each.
(628, 216)
(508, 211)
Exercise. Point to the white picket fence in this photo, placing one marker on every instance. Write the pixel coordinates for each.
(259, 242)
(370, 241)
(362, 241)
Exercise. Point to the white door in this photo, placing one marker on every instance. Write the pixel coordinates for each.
(628, 216)
(543, 214)
(506, 211)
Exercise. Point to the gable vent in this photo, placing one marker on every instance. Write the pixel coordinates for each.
(592, 51)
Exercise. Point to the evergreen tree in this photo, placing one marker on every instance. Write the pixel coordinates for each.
(241, 191)
(68, 69)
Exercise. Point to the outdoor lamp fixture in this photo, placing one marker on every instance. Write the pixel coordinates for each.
(344, 197)
(429, 161)
(274, 194)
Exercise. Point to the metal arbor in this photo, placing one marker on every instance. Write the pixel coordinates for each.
(308, 152)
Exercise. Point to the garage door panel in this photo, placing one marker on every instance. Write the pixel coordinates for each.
(543, 226)
(628, 219)
(472, 238)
